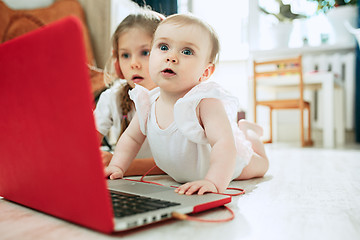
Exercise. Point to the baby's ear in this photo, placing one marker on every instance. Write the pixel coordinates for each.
(118, 69)
(208, 72)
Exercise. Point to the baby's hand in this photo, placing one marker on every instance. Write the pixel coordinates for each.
(114, 172)
(106, 157)
(201, 186)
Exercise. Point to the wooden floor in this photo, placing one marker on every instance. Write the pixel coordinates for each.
(308, 193)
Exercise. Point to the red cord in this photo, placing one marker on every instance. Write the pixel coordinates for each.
(187, 217)
(142, 178)
(241, 191)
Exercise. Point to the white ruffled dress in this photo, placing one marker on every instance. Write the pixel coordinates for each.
(182, 150)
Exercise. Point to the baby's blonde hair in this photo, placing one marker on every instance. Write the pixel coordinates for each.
(188, 19)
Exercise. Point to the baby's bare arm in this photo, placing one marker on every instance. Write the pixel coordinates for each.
(217, 128)
(219, 133)
(126, 149)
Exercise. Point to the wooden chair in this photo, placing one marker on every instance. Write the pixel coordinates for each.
(281, 73)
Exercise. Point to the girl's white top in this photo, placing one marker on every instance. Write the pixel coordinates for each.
(108, 116)
(182, 150)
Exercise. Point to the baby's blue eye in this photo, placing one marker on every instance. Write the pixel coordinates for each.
(145, 53)
(187, 52)
(163, 47)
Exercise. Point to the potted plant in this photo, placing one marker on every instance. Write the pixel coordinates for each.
(338, 12)
(281, 30)
(325, 5)
(284, 14)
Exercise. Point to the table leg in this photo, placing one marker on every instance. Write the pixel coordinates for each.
(340, 116)
(328, 103)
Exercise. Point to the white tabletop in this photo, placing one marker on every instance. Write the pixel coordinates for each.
(320, 49)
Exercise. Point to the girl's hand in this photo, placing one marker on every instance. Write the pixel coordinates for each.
(201, 186)
(114, 172)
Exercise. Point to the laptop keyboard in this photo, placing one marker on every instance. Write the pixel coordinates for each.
(125, 204)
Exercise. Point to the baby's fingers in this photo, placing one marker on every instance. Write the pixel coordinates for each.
(113, 172)
(116, 175)
(183, 188)
(188, 188)
(192, 189)
(205, 189)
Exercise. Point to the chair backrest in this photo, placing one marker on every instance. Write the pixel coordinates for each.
(279, 73)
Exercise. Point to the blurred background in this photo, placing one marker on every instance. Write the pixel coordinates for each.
(259, 29)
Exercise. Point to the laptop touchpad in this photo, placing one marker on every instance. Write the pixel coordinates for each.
(135, 187)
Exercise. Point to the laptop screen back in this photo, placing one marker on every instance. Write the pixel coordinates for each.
(49, 152)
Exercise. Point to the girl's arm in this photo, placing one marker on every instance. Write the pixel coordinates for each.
(223, 154)
(100, 137)
(126, 149)
(105, 155)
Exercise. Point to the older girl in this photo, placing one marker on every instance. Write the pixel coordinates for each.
(131, 43)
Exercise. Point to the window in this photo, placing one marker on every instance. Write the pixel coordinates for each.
(307, 31)
(229, 19)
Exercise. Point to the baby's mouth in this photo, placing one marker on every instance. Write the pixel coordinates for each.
(167, 72)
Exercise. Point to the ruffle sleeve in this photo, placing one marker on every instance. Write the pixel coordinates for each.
(143, 98)
(185, 109)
